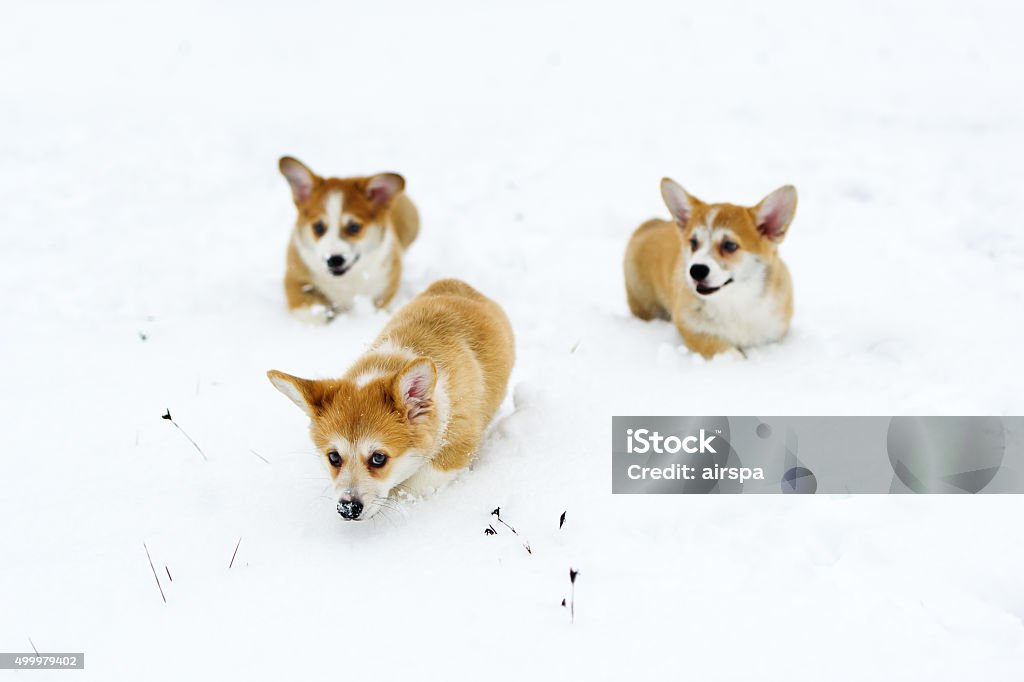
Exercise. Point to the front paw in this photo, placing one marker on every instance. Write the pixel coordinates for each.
(426, 481)
(734, 354)
(318, 313)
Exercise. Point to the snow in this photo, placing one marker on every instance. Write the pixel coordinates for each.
(139, 196)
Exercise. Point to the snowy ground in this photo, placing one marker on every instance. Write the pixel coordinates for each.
(139, 196)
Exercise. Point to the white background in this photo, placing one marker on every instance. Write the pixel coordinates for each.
(139, 194)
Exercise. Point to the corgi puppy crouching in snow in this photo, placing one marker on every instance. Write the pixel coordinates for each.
(411, 412)
(348, 240)
(714, 271)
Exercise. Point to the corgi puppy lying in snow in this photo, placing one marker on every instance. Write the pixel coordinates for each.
(714, 271)
(411, 412)
(348, 240)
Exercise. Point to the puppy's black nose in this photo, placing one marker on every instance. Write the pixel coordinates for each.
(699, 272)
(350, 509)
(336, 261)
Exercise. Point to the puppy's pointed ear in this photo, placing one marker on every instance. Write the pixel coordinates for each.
(680, 204)
(413, 389)
(302, 180)
(306, 393)
(382, 188)
(775, 213)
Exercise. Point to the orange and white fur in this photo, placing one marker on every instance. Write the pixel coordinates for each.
(411, 412)
(348, 240)
(714, 270)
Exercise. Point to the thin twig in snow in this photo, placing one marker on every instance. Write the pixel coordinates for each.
(491, 531)
(572, 595)
(167, 415)
(235, 553)
(497, 512)
(259, 455)
(155, 576)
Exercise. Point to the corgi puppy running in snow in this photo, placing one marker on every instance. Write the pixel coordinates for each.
(348, 240)
(411, 412)
(714, 271)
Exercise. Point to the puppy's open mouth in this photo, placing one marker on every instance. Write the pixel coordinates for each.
(341, 270)
(705, 290)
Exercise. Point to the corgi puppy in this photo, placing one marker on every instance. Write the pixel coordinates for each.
(411, 412)
(348, 240)
(714, 271)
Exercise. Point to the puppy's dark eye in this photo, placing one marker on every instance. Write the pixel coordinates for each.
(353, 228)
(378, 459)
(729, 246)
(334, 458)
(693, 243)
(319, 228)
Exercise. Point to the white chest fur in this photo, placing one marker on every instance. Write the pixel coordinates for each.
(368, 277)
(743, 313)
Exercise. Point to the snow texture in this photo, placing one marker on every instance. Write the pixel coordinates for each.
(143, 225)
